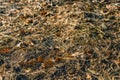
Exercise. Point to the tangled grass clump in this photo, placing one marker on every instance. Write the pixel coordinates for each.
(60, 39)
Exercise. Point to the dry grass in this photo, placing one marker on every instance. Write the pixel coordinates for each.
(59, 39)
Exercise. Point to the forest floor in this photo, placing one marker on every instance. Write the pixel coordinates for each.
(59, 40)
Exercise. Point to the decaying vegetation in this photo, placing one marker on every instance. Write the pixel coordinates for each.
(59, 39)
